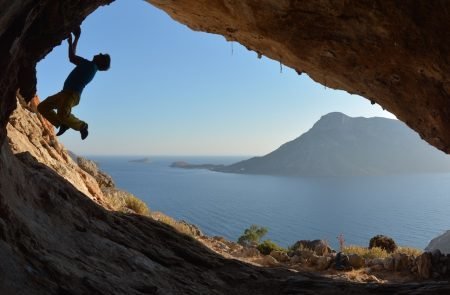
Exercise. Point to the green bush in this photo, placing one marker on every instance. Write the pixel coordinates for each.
(252, 235)
(268, 246)
(383, 242)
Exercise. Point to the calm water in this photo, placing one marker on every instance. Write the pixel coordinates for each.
(412, 209)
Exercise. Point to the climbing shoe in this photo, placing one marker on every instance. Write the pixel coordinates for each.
(84, 132)
(62, 129)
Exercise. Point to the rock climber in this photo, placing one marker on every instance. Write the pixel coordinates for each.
(69, 97)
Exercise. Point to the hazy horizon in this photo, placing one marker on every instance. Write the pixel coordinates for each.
(205, 155)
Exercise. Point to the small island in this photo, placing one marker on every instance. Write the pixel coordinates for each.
(143, 160)
(186, 165)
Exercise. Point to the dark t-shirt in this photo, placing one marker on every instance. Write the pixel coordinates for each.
(80, 76)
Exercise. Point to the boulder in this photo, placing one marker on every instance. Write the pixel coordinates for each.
(266, 260)
(375, 261)
(103, 179)
(388, 263)
(306, 254)
(376, 267)
(401, 262)
(323, 262)
(356, 261)
(342, 261)
(424, 265)
(320, 247)
(442, 243)
(435, 257)
(298, 259)
(281, 256)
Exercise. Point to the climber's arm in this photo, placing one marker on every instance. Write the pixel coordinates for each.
(75, 59)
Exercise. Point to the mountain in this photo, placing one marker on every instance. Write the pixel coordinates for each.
(339, 145)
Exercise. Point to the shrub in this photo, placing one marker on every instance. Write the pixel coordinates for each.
(369, 253)
(138, 206)
(377, 252)
(252, 235)
(409, 251)
(119, 200)
(383, 242)
(268, 246)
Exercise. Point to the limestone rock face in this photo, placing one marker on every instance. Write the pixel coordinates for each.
(29, 132)
(103, 179)
(28, 31)
(441, 243)
(394, 53)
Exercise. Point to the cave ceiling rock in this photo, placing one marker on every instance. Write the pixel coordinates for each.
(394, 53)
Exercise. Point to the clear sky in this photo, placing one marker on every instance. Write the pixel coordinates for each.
(173, 91)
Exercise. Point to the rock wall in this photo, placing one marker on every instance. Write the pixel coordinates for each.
(28, 31)
(29, 133)
(441, 243)
(394, 53)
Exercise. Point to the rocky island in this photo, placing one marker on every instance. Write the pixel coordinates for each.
(186, 165)
(339, 145)
(142, 160)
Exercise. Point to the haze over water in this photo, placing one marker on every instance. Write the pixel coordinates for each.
(410, 208)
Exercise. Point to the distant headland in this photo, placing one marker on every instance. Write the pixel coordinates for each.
(339, 145)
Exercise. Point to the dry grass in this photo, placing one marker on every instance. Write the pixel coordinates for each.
(180, 227)
(378, 252)
(135, 204)
(409, 251)
(116, 203)
(123, 201)
(366, 252)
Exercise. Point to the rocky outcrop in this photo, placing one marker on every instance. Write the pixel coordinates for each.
(103, 179)
(319, 247)
(441, 243)
(424, 265)
(29, 133)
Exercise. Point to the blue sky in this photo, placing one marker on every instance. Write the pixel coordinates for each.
(173, 91)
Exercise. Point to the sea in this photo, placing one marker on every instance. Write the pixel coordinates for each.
(412, 209)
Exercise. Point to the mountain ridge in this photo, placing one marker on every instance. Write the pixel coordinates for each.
(341, 145)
